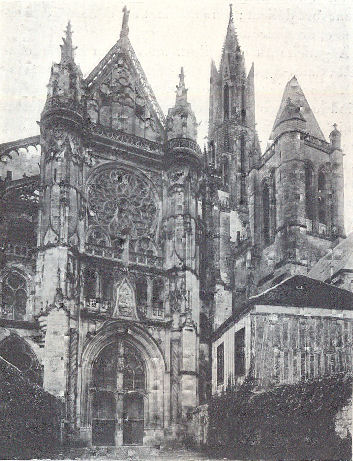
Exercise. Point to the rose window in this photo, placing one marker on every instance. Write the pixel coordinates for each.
(122, 204)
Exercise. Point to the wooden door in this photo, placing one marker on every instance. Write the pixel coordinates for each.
(133, 419)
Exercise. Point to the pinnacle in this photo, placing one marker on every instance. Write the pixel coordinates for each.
(67, 50)
(181, 91)
(231, 12)
(125, 24)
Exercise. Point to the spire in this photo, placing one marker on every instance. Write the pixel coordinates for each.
(181, 91)
(295, 94)
(67, 50)
(125, 24)
(230, 12)
(181, 120)
(231, 41)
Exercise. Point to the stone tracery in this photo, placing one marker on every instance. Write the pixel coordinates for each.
(123, 205)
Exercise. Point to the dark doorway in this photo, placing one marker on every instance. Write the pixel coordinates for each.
(133, 419)
(103, 421)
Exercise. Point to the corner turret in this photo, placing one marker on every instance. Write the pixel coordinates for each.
(335, 138)
(65, 88)
(181, 120)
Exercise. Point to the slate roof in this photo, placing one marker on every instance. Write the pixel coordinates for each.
(294, 92)
(295, 291)
(303, 291)
(341, 258)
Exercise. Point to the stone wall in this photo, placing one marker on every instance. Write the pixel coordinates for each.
(288, 348)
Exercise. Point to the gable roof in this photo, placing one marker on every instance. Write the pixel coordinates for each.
(295, 94)
(303, 291)
(340, 258)
(123, 45)
(295, 291)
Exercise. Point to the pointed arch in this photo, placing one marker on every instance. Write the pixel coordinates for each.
(273, 206)
(225, 172)
(155, 367)
(125, 300)
(266, 217)
(226, 101)
(19, 353)
(14, 294)
(309, 191)
(322, 185)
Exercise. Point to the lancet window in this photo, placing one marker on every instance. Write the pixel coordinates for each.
(309, 202)
(266, 213)
(322, 197)
(157, 297)
(14, 296)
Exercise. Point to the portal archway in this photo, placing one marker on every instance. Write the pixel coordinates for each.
(123, 363)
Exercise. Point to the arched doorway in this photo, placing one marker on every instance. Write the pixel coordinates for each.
(118, 385)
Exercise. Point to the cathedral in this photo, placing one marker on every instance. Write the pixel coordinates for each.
(140, 274)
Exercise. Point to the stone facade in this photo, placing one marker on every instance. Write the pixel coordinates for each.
(128, 246)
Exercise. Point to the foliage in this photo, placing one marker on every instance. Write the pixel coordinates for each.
(285, 422)
(30, 417)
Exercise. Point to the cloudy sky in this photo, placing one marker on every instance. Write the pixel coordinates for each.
(307, 38)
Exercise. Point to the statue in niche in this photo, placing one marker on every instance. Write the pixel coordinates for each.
(125, 306)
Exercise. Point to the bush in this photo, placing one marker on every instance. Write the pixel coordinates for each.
(30, 418)
(285, 422)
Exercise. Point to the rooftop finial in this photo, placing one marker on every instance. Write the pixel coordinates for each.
(181, 91)
(67, 50)
(230, 11)
(125, 25)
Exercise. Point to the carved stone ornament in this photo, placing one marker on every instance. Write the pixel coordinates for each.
(121, 203)
(125, 303)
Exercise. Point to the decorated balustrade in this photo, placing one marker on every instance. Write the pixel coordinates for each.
(15, 250)
(104, 252)
(116, 254)
(100, 306)
(97, 305)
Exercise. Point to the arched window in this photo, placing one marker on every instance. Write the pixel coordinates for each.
(242, 169)
(226, 101)
(225, 172)
(266, 213)
(90, 284)
(309, 202)
(212, 152)
(14, 296)
(141, 294)
(17, 352)
(134, 370)
(105, 368)
(322, 192)
(273, 204)
(157, 297)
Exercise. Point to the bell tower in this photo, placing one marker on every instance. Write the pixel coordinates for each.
(233, 149)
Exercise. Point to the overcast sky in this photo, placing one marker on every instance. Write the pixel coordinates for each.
(307, 38)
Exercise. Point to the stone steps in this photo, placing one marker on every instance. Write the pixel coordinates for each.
(131, 452)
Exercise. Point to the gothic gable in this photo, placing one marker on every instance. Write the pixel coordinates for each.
(120, 97)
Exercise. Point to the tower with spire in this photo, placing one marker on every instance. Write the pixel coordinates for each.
(267, 215)
(232, 149)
